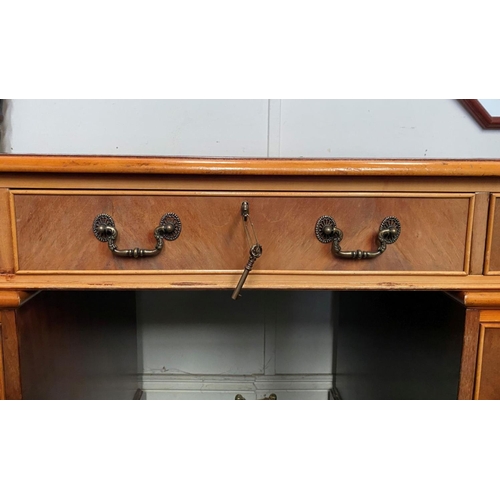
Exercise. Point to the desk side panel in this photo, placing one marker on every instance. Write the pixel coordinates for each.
(404, 345)
(78, 345)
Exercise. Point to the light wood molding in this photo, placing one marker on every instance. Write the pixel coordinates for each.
(102, 165)
(256, 280)
(479, 225)
(479, 363)
(297, 183)
(12, 299)
(490, 316)
(469, 355)
(478, 299)
(7, 255)
(492, 253)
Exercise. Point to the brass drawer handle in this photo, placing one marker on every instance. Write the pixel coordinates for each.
(328, 232)
(105, 231)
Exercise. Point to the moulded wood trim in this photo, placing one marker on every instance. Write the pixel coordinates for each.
(480, 114)
(347, 281)
(479, 364)
(479, 226)
(13, 230)
(236, 272)
(468, 238)
(7, 255)
(227, 183)
(103, 165)
(490, 316)
(254, 194)
(489, 235)
(11, 299)
(478, 299)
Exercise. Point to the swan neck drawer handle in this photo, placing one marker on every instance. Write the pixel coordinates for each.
(328, 232)
(104, 230)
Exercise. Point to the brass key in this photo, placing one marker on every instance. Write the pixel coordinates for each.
(255, 253)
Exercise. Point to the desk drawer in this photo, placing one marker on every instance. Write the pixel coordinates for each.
(53, 231)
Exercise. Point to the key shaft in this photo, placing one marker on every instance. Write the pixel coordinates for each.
(255, 253)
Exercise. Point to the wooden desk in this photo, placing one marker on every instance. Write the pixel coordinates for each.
(448, 241)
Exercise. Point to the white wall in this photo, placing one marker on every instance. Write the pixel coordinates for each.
(384, 128)
(289, 128)
(266, 341)
(137, 127)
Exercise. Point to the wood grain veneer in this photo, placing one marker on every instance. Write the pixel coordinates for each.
(246, 166)
(469, 355)
(279, 280)
(7, 260)
(478, 299)
(490, 315)
(230, 182)
(10, 382)
(10, 344)
(488, 363)
(2, 379)
(54, 231)
(11, 299)
(78, 345)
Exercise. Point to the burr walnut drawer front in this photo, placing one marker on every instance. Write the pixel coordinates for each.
(55, 231)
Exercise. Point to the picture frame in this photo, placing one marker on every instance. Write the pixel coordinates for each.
(481, 114)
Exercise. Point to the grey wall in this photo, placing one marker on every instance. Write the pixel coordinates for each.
(384, 128)
(137, 127)
(426, 128)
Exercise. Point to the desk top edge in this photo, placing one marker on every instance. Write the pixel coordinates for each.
(77, 164)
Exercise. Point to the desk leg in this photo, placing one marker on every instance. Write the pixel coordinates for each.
(2, 378)
(480, 371)
(10, 376)
(10, 344)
